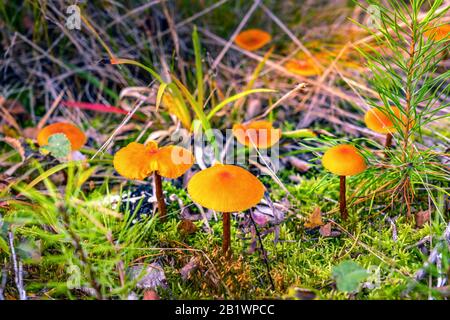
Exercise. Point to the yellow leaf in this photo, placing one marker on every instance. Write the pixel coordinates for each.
(315, 219)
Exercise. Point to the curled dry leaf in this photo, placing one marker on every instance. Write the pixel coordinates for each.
(315, 219)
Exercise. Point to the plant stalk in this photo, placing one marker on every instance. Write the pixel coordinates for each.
(388, 142)
(226, 234)
(342, 198)
(159, 196)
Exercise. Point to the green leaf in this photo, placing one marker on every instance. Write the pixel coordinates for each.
(234, 98)
(348, 275)
(58, 145)
(198, 66)
(161, 89)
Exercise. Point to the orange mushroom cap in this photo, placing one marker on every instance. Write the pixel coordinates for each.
(225, 188)
(260, 133)
(439, 32)
(138, 161)
(344, 160)
(76, 137)
(305, 65)
(252, 39)
(380, 121)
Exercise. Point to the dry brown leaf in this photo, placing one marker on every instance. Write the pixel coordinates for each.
(187, 227)
(422, 217)
(315, 219)
(325, 230)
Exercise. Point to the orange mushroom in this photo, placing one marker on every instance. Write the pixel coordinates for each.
(305, 67)
(138, 161)
(252, 39)
(76, 137)
(225, 188)
(439, 32)
(382, 121)
(257, 133)
(343, 160)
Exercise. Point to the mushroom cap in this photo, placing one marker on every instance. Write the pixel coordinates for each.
(138, 161)
(252, 39)
(344, 160)
(260, 133)
(302, 67)
(380, 121)
(439, 32)
(225, 188)
(76, 137)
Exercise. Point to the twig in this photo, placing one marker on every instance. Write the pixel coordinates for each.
(18, 269)
(235, 33)
(263, 252)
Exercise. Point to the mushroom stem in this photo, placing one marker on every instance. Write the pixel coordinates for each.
(388, 142)
(226, 234)
(342, 198)
(159, 196)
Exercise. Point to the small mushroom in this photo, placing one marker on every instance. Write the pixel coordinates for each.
(438, 33)
(260, 134)
(138, 161)
(225, 188)
(76, 137)
(343, 160)
(381, 121)
(252, 39)
(304, 67)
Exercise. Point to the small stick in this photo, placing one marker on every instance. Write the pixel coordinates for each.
(263, 252)
(342, 198)
(159, 196)
(226, 234)
(18, 269)
(388, 142)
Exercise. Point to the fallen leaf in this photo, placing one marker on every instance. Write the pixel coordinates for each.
(187, 227)
(325, 230)
(315, 219)
(422, 217)
(58, 145)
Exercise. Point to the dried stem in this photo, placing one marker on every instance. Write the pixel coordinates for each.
(159, 196)
(18, 269)
(388, 142)
(263, 252)
(342, 198)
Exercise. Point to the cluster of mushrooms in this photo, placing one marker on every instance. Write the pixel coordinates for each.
(228, 185)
